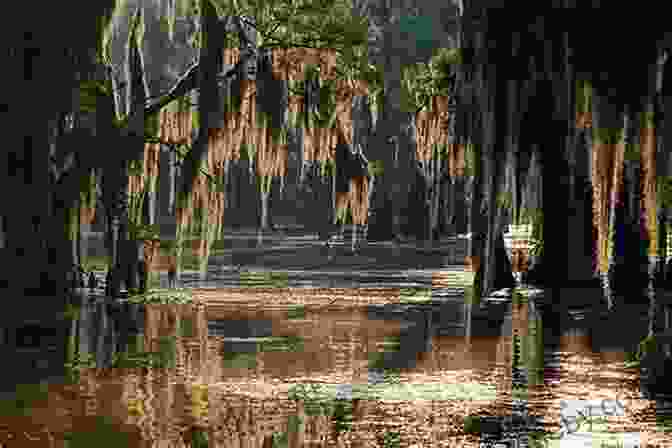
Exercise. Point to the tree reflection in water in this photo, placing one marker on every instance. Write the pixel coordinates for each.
(359, 369)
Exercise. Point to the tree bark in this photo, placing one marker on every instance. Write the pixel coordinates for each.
(652, 208)
(489, 102)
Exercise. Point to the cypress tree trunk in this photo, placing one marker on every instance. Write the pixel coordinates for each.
(650, 163)
(173, 173)
(265, 192)
(666, 94)
(558, 119)
(449, 187)
(131, 252)
(435, 193)
(471, 81)
(115, 195)
(491, 173)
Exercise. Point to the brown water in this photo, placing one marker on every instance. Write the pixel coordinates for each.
(278, 366)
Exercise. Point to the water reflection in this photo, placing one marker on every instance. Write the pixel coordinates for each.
(323, 367)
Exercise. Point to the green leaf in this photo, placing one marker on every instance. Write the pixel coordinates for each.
(298, 312)
(376, 167)
(505, 200)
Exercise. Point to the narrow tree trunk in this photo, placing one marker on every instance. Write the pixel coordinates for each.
(477, 223)
(173, 173)
(650, 207)
(77, 235)
(666, 93)
(449, 213)
(131, 254)
(263, 219)
(491, 180)
(149, 208)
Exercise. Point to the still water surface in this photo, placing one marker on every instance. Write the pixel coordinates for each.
(397, 361)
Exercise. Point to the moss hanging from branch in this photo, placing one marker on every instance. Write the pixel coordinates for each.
(88, 198)
(584, 119)
(353, 203)
(649, 181)
(608, 153)
(431, 128)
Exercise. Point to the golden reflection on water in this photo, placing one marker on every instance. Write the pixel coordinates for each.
(245, 404)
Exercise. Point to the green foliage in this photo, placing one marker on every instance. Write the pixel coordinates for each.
(25, 397)
(632, 152)
(135, 202)
(534, 216)
(186, 328)
(235, 360)
(77, 362)
(471, 162)
(163, 296)
(297, 312)
(199, 439)
(505, 200)
(389, 439)
(96, 263)
(421, 82)
(648, 119)
(89, 93)
(143, 231)
(316, 24)
(415, 294)
(105, 433)
(152, 124)
(264, 279)
(607, 136)
(647, 346)
(376, 168)
(317, 399)
(470, 294)
(518, 297)
(541, 439)
(343, 215)
(294, 423)
(265, 183)
(342, 415)
(244, 151)
(377, 359)
(663, 423)
(89, 190)
(137, 29)
(281, 439)
(472, 424)
(282, 344)
(71, 312)
(164, 358)
(327, 168)
(584, 95)
(664, 191)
